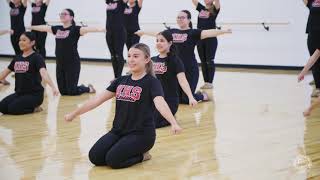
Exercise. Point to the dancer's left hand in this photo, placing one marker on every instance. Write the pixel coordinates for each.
(176, 129)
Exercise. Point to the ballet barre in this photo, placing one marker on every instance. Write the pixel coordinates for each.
(82, 23)
(265, 25)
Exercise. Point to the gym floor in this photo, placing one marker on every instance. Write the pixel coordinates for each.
(252, 129)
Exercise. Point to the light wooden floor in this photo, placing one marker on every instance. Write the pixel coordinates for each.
(254, 129)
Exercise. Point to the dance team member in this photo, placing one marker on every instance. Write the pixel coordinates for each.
(68, 59)
(170, 71)
(185, 39)
(116, 33)
(29, 68)
(313, 30)
(17, 10)
(133, 132)
(207, 48)
(3, 32)
(39, 9)
(131, 21)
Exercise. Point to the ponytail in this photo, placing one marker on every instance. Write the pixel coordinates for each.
(212, 10)
(173, 51)
(189, 17)
(149, 68)
(73, 22)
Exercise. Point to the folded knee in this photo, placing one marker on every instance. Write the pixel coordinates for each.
(12, 109)
(113, 162)
(95, 159)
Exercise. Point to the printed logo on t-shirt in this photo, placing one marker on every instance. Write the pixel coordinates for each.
(14, 12)
(160, 68)
(179, 38)
(203, 14)
(62, 34)
(21, 66)
(128, 93)
(112, 6)
(36, 9)
(128, 11)
(316, 3)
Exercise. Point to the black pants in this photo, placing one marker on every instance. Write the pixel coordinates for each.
(312, 41)
(207, 51)
(120, 151)
(41, 42)
(132, 39)
(115, 40)
(15, 42)
(67, 80)
(192, 75)
(160, 121)
(17, 104)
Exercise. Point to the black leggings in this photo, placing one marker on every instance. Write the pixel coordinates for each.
(67, 80)
(312, 40)
(132, 39)
(207, 51)
(192, 75)
(115, 40)
(15, 42)
(17, 104)
(120, 151)
(160, 121)
(41, 42)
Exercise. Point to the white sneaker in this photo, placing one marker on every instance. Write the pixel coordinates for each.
(92, 89)
(38, 109)
(312, 83)
(315, 93)
(207, 86)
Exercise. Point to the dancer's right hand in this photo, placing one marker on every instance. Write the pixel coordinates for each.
(139, 33)
(176, 129)
(300, 77)
(69, 117)
(55, 92)
(193, 102)
(307, 112)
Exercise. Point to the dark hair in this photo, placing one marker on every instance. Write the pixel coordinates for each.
(173, 49)
(168, 36)
(189, 17)
(71, 13)
(31, 36)
(213, 10)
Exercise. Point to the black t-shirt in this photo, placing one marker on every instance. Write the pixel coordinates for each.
(27, 75)
(186, 41)
(17, 18)
(134, 104)
(131, 18)
(67, 44)
(206, 20)
(314, 16)
(166, 70)
(38, 14)
(115, 16)
(316, 40)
